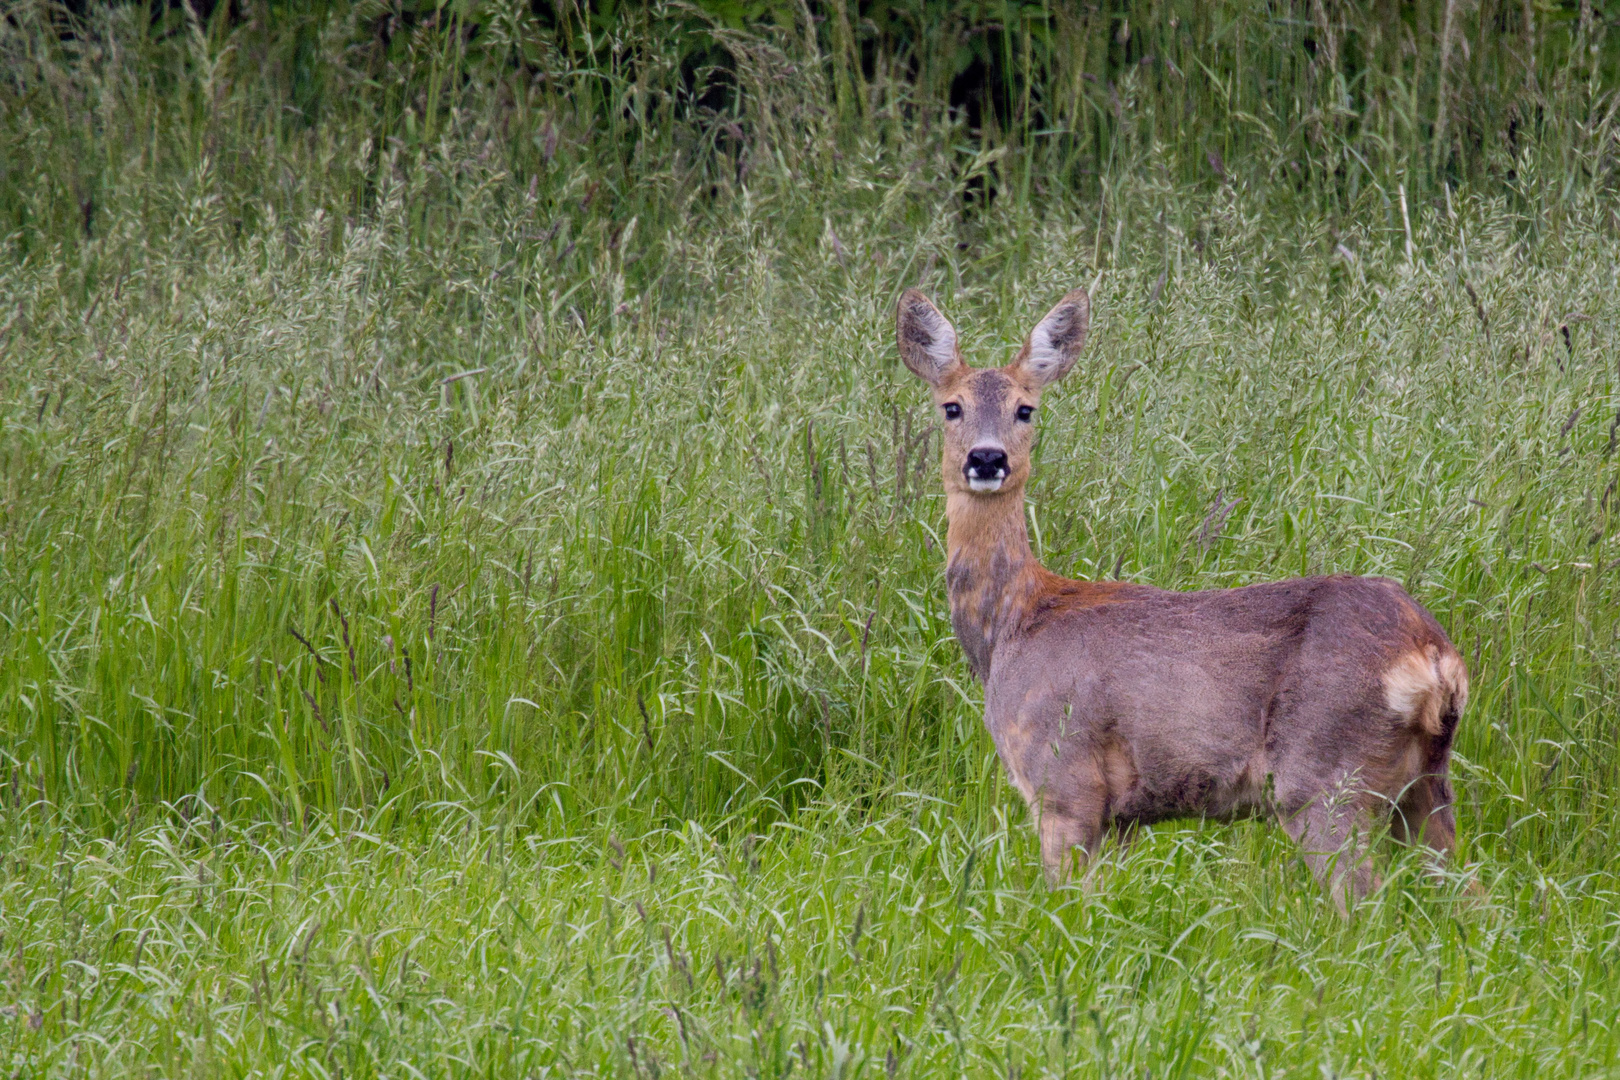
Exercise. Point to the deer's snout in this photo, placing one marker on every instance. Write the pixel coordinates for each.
(985, 468)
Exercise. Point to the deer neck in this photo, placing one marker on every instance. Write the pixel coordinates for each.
(992, 577)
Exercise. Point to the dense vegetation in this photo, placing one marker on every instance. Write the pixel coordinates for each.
(470, 592)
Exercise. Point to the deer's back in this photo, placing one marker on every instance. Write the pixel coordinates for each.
(1185, 702)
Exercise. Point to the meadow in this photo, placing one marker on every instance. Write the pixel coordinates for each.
(471, 589)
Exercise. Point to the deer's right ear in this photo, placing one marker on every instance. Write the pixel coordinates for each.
(927, 339)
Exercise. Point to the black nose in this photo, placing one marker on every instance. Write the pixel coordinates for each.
(986, 465)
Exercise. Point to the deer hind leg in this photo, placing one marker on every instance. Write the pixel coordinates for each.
(1071, 830)
(1334, 832)
(1423, 815)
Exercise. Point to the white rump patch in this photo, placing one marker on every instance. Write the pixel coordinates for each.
(1419, 685)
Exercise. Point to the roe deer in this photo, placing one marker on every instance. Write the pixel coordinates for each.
(1114, 704)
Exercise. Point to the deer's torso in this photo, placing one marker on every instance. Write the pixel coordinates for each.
(1184, 703)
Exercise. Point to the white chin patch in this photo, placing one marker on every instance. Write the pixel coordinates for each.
(986, 485)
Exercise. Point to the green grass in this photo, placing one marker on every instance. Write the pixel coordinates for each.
(473, 610)
(912, 941)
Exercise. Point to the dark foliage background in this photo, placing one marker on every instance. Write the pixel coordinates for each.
(1324, 99)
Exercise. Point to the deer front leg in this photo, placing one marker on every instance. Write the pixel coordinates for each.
(1071, 830)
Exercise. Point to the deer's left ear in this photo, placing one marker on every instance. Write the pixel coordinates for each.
(1054, 345)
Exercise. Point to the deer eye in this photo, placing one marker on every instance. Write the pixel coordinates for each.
(953, 411)
(1025, 412)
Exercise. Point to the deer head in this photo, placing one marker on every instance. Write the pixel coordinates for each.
(988, 414)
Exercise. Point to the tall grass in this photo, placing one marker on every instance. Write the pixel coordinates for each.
(461, 408)
(470, 593)
(908, 942)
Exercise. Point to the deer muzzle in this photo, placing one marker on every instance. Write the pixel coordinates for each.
(985, 468)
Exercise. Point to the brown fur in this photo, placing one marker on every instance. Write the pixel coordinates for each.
(1113, 704)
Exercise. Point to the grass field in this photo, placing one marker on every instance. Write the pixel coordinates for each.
(456, 621)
